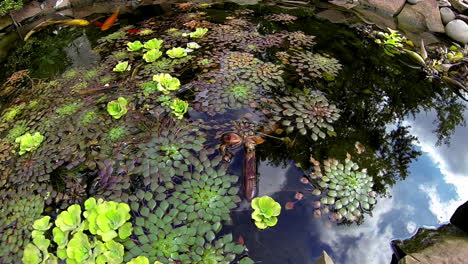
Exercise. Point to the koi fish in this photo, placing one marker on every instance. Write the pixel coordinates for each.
(68, 22)
(110, 21)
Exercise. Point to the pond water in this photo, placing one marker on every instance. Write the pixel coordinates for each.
(306, 87)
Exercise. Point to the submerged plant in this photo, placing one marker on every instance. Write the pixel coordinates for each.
(166, 83)
(152, 55)
(122, 66)
(199, 33)
(176, 53)
(344, 188)
(134, 46)
(179, 108)
(265, 211)
(19, 129)
(393, 42)
(311, 114)
(28, 142)
(117, 108)
(105, 221)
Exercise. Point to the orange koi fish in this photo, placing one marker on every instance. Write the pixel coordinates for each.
(110, 21)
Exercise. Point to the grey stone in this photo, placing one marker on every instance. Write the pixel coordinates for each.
(459, 5)
(446, 14)
(413, 2)
(444, 3)
(390, 8)
(457, 30)
(421, 16)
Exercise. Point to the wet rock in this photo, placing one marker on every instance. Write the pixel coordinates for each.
(462, 17)
(444, 3)
(457, 30)
(333, 15)
(446, 14)
(390, 8)
(460, 217)
(459, 5)
(324, 259)
(381, 21)
(30, 10)
(5, 21)
(423, 15)
(413, 2)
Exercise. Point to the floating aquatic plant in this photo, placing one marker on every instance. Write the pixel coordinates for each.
(152, 55)
(265, 211)
(12, 112)
(122, 66)
(344, 189)
(199, 33)
(117, 133)
(134, 46)
(283, 18)
(19, 209)
(166, 83)
(393, 42)
(153, 44)
(88, 117)
(299, 40)
(176, 53)
(67, 109)
(19, 129)
(179, 108)
(105, 221)
(28, 142)
(117, 108)
(311, 114)
(313, 65)
(193, 46)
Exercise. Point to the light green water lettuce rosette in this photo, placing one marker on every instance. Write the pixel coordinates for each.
(134, 46)
(179, 108)
(265, 211)
(117, 108)
(122, 66)
(176, 53)
(166, 83)
(29, 142)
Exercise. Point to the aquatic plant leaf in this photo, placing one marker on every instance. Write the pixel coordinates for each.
(31, 254)
(139, 260)
(152, 55)
(29, 142)
(60, 237)
(179, 108)
(79, 248)
(153, 44)
(125, 230)
(166, 83)
(42, 224)
(193, 45)
(122, 66)
(117, 108)
(70, 219)
(134, 46)
(176, 53)
(199, 33)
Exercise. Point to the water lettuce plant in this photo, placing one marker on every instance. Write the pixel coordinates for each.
(122, 66)
(179, 108)
(265, 213)
(117, 133)
(28, 142)
(166, 83)
(176, 53)
(199, 33)
(153, 44)
(117, 108)
(193, 45)
(134, 46)
(152, 55)
(93, 239)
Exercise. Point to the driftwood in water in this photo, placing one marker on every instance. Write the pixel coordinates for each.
(250, 175)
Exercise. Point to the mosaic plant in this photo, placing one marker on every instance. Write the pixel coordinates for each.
(310, 65)
(345, 190)
(308, 114)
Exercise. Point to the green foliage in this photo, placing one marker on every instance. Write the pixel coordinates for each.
(393, 42)
(134, 46)
(78, 240)
(166, 83)
(152, 55)
(122, 66)
(117, 108)
(113, 37)
(68, 109)
(91, 74)
(19, 129)
(70, 74)
(179, 108)
(88, 117)
(10, 5)
(165, 100)
(28, 142)
(153, 44)
(117, 133)
(176, 53)
(240, 91)
(199, 33)
(149, 87)
(265, 211)
(12, 112)
(192, 46)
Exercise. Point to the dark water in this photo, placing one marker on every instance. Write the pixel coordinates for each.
(404, 120)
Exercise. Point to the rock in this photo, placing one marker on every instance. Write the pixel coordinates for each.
(324, 259)
(451, 250)
(333, 15)
(424, 14)
(444, 3)
(413, 2)
(460, 217)
(457, 30)
(462, 17)
(387, 7)
(459, 5)
(446, 14)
